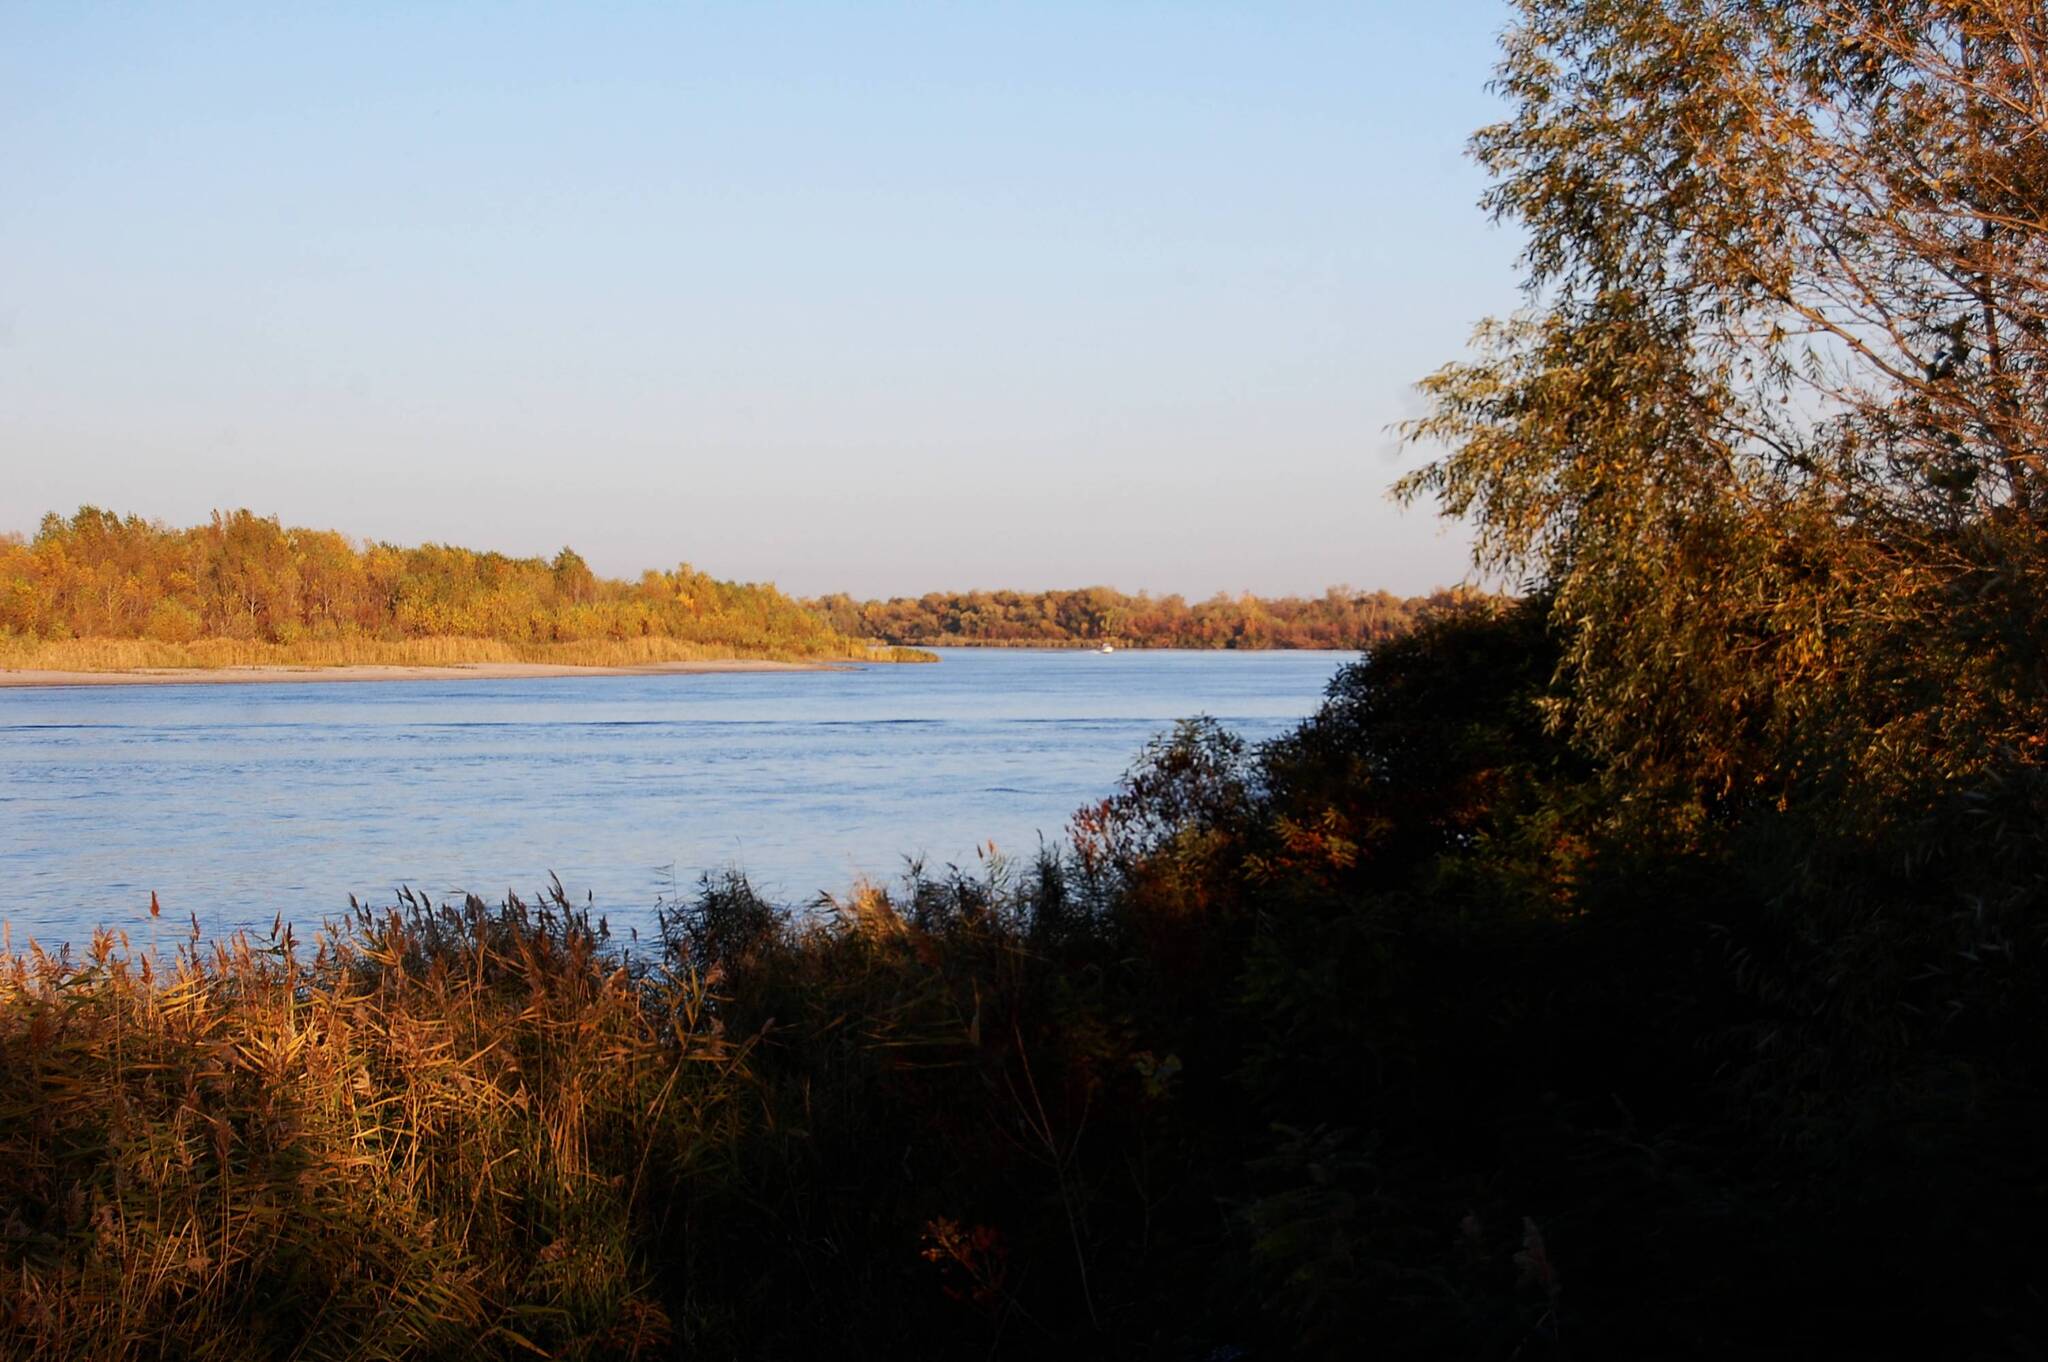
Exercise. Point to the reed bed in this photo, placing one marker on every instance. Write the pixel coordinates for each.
(118, 654)
(471, 1131)
(898, 653)
(432, 1134)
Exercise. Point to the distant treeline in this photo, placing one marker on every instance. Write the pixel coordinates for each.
(1339, 618)
(246, 578)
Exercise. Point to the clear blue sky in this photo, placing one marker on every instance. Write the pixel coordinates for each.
(866, 297)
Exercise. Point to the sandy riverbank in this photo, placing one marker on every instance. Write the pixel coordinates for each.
(478, 671)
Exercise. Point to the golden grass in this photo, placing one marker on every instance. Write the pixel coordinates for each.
(118, 655)
(445, 1132)
(426, 1137)
(474, 1132)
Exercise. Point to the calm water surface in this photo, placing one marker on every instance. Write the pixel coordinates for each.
(240, 802)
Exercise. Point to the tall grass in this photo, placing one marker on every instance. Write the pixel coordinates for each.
(472, 1131)
(432, 1134)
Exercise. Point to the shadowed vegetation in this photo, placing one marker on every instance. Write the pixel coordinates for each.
(1388, 1030)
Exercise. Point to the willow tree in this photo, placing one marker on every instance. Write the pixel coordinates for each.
(1770, 429)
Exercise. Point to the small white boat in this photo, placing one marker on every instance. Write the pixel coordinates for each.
(1105, 648)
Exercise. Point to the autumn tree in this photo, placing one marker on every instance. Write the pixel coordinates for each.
(1770, 433)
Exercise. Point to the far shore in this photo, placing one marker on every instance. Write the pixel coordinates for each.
(475, 671)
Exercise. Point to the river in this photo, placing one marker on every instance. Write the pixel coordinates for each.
(238, 803)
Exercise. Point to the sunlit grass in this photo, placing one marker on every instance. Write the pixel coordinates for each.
(425, 1135)
(118, 655)
(453, 1131)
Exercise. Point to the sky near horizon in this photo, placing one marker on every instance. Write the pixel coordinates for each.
(866, 297)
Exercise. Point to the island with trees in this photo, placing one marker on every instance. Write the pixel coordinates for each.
(101, 592)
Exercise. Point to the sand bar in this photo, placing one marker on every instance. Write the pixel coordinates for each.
(475, 671)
